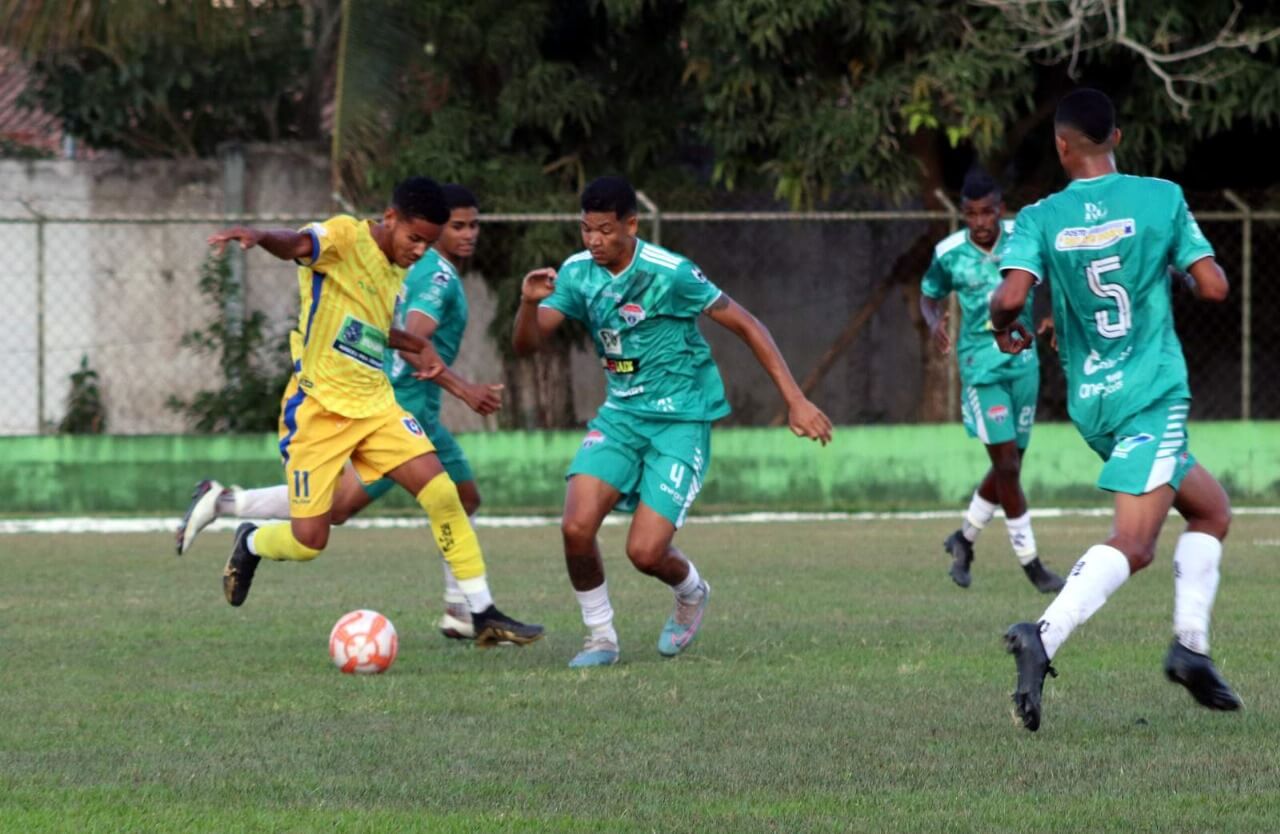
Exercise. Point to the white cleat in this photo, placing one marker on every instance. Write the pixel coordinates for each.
(456, 623)
(202, 512)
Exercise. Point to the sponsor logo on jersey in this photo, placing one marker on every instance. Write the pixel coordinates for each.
(620, 366)
(1093, 212)
(998, 413)
(697, 273)
(624, 393)
(632, 314)
(440, 279)
(412, 425)
(594, 438)
(1094, 361)
(1095, 237)
(1128, 444)
(1087, 390)
(611, 340)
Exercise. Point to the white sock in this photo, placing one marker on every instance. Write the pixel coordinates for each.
(688, 590)
(453, 594)
(597, 612)
(476, 591)
(980, 512)
(1021, 537)
(248, 542)
(1100, 571)
(1195, 582)
(267, 502)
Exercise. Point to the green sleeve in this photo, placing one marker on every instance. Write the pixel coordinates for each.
(566, 298)
(691, 292)
(1189, 243)
(1024, 248)
(937, 280)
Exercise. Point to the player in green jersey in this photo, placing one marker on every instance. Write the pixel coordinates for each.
(431, 305)
(999, 397)
(1106, 243)
(648, 448)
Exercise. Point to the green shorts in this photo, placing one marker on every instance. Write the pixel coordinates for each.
(1002, 411)
(451, 456)
(661, 463)
(1148, 451)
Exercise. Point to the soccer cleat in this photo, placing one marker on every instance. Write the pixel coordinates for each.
(1045, 580)
(1022, 640)
(493, 628)
(1196, 672)
(596, 651)
(201, 512)
(456, 624)
(961, 550)
(238, 574)
(683, 624)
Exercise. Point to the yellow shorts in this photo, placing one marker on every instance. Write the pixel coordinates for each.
(316, 443)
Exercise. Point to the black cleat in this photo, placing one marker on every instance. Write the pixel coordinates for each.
(961, 550)
(1196, 672)
(1022, 640)
(1045, 580)
(238, 574)
(493, 628)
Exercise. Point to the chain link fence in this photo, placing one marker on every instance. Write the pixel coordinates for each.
(114, 297)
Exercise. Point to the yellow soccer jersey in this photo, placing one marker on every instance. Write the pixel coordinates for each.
(348, 295)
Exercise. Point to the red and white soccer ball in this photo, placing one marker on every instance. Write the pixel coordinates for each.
(363, 643)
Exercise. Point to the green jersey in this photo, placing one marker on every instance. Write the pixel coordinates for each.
(1105, 245)
(644, 322)
(961, 267)
(432, 288)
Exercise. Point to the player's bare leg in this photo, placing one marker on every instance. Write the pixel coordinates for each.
(436, 493)
(649, 548)
(1202, 501)
(587, 502)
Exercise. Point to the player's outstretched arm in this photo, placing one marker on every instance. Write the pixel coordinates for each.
(805, 418)
(285, 244)
(1006, 303)
(535, 323)
(1208, 280)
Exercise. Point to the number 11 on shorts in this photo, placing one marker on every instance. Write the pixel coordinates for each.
(301, 484)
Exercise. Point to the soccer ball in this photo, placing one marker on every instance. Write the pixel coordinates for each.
(363, 642)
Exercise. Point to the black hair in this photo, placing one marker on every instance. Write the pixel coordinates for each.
(978, 184)
(1089, 111)
(459, 196)
(420, 197)
(610, 194)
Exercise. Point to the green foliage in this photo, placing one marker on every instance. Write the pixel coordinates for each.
(181, 81)
(253, 367)
(86, 413)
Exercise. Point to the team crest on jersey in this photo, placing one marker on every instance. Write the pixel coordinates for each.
(594, 438)
(1128, 444)
(632, 314)
(998, 413)
(1093, 212)
(412, 425)
(1095, 237)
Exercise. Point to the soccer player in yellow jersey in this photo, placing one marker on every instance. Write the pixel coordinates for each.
(344, 407)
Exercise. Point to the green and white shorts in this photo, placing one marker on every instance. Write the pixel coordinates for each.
(1148, 451)
(1002, 411)
(661, 463)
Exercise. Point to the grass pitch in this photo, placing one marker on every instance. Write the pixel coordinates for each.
(841, 683)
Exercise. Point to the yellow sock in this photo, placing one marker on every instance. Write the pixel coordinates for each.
(276, 541)
(452, 528)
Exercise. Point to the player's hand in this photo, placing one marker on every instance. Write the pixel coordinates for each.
(538, 285)
(1046, 326)
(1015, 339)
(942, 333)
(247, 237)
(482, 398)
(807, 420)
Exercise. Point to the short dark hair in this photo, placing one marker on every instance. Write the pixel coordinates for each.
(1089, 111)
(610, 194)
(459, 196)
(978, 184)
(420, 197)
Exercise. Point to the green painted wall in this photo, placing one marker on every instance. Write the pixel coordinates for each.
(866, 468)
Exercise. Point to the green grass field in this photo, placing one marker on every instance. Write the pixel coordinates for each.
(841, 683)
